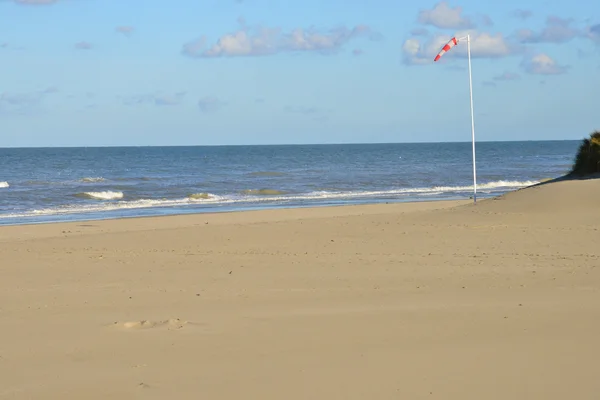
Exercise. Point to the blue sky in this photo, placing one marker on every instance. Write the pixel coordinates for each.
(149, 72)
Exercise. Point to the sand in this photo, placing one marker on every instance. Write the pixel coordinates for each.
(444, 300)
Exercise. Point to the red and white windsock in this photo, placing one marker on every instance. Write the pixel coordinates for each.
(453, 42)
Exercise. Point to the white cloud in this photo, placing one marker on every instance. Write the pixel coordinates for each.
(445, 17)
(483, 45)
(269, 41)
(543, 64)
(556, 30)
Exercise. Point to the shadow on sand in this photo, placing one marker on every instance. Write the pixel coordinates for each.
(569, 177)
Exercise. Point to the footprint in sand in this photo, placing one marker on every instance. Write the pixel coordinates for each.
(169, 324)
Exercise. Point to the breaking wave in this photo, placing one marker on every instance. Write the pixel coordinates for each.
(200, 196)
(100, 195)
(92, 180)
(200, 199)
(4, 185)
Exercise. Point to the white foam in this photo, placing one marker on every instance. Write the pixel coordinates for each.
(4, 185)
(92, 179)
(213, 199)
(104, 195)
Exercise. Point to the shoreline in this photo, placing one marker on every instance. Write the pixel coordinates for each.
(172, 221)
(215, 210)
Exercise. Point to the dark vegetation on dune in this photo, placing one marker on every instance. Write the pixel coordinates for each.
(587, 161)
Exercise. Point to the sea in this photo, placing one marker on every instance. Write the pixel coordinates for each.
(40, 185)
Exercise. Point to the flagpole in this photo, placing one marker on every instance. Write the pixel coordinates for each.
(472, 120)
(454, 42)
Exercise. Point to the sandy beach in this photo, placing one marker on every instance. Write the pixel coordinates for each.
(446, 300)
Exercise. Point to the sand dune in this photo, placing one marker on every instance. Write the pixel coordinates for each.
(448, 300)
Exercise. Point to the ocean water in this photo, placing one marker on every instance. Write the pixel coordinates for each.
(62, 184)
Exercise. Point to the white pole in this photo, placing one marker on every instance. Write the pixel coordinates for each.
(472, 121)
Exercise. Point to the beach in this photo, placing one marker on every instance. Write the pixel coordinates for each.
(446, 299)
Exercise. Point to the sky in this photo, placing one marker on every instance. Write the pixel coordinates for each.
(222, 72)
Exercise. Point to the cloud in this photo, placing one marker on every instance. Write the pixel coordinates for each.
(522, 14)
(137, 99)
(210, 104)
(445, 17)
(593, 33)
(157, 99)
(357, 52)
(315, 113)
(489, 83)
(543, 64)
(556, 30)
(35, 2)
(268, 41)
(507, 76)
(169, 99)
(83, 46)
(20, 99)
(483, 45)
(486, 20)
(23, 103)
(125, 30)
(419, 32)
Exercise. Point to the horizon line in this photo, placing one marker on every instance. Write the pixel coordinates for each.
(285, 144)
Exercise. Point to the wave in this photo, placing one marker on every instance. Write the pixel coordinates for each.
(212, 199)
(266, 173)
(137, 178)
(92, 180)
(488, 185)
(200, 196)
(263, 192)
(4, 185)
(100, 195)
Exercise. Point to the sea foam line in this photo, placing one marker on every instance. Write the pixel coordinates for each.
(212, 199)
(92, 179)
(107, 195)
